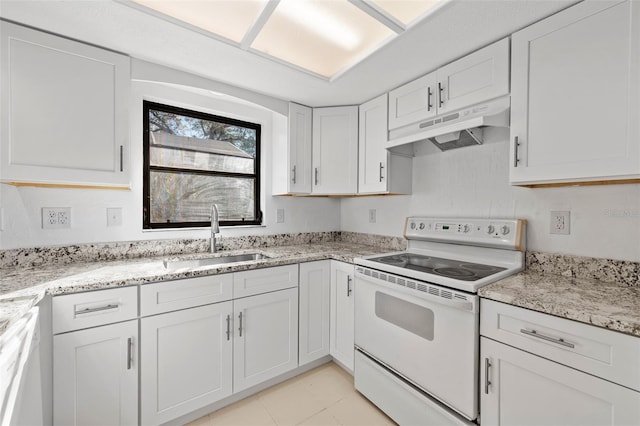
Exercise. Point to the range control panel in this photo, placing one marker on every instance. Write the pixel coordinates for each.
(502, 233)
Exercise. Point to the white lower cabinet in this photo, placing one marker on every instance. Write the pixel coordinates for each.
(186, 361)
(314, 306)
(539, 369)
(341, 344)
(265, 342)
(524, 389)
(96, 376)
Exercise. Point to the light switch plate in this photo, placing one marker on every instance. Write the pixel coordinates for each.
(114, 216)
(280, 216)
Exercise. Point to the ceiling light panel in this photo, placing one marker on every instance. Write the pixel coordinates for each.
(230, 19)
(406, 11)
(319, 35)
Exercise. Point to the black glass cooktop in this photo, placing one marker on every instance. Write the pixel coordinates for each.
(464, 271)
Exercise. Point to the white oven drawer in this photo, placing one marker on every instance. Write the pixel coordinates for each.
(604, 353)
(90, 309)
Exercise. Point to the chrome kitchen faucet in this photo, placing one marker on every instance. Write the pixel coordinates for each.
(215, 228)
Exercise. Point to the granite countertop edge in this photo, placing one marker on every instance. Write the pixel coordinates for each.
(23, 288)
(609, 305)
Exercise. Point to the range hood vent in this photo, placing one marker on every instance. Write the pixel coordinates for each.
(454, 130)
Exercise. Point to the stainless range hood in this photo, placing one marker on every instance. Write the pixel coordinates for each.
(456, 129)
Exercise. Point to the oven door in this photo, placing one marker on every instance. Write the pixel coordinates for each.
(427, 335)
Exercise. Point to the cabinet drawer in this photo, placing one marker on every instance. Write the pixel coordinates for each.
(84, 310)
(257, 281)
(180, 294)
(603, 353)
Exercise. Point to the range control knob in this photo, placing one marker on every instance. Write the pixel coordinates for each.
(490, 229)
(413, 225)
(421, 226)
(466, 228)
(505, 230)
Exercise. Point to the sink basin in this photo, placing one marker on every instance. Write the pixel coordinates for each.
(208, 261)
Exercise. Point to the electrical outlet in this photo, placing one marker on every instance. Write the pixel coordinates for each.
(280, 216)
(114, 216)
(372, 215)
(56, 217)
(560, 222)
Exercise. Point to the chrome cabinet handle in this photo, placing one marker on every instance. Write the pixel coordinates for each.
(240, 327)
(516, 144)
(129, 352)
(440, 90)
(557, 340)
(228, 327)
(97, 309)
(294, 174)
(381, 167)
(316, 175)
(487, 382)
(349, 291)
(429, 106)
(121, 158)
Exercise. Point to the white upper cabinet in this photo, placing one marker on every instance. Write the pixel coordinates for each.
(335, 150)
(380, 171)
(299, 169)
(65, 111)
(475, 78)
(415, 101)
(576, 96)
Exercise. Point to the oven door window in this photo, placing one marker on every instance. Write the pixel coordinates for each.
(406, 315)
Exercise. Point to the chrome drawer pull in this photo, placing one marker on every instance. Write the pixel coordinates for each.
(240, 327)
(487, 382)
(129, 352)
(349, 291)
(558, 340)
(97, 309)
(228, 327)
(516, 159)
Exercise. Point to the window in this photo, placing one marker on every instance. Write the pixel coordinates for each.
(193, 160)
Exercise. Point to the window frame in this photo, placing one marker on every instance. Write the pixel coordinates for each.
(147, 168)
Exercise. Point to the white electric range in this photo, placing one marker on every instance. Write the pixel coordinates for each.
(417, 316)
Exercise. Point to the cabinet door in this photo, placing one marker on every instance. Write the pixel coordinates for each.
(95, 376)
(477, 77)
(265, 342)
(413, 102)
(65, 106)
(342, 313)
(380, 171)
(373, 156)
(335, 150)
(314, 293)
(525, 389)
(187, 361)
(300, 133)
(576, 95)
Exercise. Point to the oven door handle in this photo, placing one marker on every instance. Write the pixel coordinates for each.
(457, 304)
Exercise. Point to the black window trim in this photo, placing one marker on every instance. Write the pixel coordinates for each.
(146, 196)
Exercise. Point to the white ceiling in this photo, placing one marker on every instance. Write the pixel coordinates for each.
(455, 29)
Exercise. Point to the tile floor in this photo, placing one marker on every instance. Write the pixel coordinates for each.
(322, 396)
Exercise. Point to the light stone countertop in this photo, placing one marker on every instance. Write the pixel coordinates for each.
(604, 304)
(23, 287)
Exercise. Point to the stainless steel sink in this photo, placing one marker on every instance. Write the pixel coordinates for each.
(208, 261)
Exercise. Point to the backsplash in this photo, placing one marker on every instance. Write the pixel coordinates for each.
(29, 257)
(608, 270)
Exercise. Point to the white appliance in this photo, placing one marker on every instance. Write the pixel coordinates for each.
(417, 316)
(455, 129)
(20, 398)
